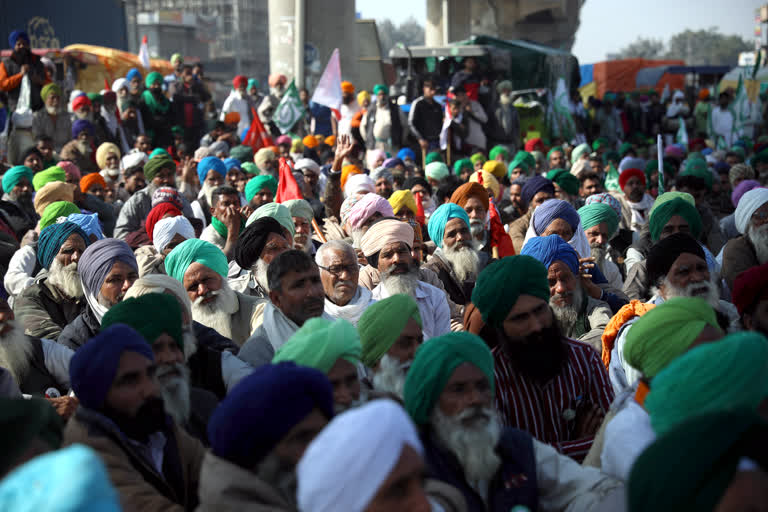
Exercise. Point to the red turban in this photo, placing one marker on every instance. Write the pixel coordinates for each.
(750, 287)
(89, 180)
(239, 81)
(157, 213)
(628, 173)
(80, 102)
(534, 145)
(472, 189)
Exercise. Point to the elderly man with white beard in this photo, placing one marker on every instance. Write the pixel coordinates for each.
(261, 242)
(201, 268)
(158, 318)
(302, 215)
(56, 297)
(750, 249)
(107, 269)
(390, 333)
(339, 272)
(387, 247)
(449, 394)
(455, 261)
(600, 222)
(473, 198)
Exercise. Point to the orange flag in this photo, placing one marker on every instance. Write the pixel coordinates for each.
(257, 137)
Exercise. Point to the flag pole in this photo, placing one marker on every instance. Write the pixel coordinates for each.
(319, 231)
(659, 156)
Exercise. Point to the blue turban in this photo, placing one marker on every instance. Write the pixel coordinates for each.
(553, 209)
(133, 73)
(94, 365)
(231, 163)
(195, 250)
(440, 218)
(97, 261)
(88, 222)
(548, 249)
(80, 125)
(15, 36)
(533, 186)
(406, 153)
(391, 163)
(14, 174)
(53, 237)
(210, 163)
(285, 393)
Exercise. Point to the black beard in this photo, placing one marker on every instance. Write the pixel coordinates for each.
(540, 355)
(21, 56)
(150, 418)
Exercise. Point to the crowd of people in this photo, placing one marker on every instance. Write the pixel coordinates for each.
(439, 317)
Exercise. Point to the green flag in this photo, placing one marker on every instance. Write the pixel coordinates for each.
(682, 134)
(289, 110)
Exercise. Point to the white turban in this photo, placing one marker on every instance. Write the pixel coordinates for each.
(359, 184)
(748, 205)
(381, 172)
(133, 159)
(308, 164)
(367, 443)
(159, 283)
(119, 84)
(166, 229)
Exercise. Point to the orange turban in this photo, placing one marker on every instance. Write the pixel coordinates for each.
(331, 140)
(472, 189)
(347, 87)
(232, 118)
(347, 171)
(274, 149)
(89, 180)
(309, 142)
(704, 94)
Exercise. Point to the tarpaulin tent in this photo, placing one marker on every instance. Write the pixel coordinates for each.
(621, 75)
(754, 86)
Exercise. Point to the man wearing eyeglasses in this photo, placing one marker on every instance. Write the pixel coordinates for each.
(339, 272)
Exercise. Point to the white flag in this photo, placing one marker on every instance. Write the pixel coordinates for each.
(144, 53)
(328, 90)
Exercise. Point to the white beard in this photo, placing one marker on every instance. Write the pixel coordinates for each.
(217, 314)
(208, 193)
(474, 446)
(357, 238)
(175, 391)
(190, 341)
(306, 246)
(260, 274)
(465, 262)
(706, 290)
(84, 147)
(51, 110)
(598, 252)
(400, 283)
(340, 408)
(759, 239)
(567, 315)
(15, 351)
(66, 279)
(477, 228)
(390, 377)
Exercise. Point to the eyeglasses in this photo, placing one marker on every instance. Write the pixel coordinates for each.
(337, 270)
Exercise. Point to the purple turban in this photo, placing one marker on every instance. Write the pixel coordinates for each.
(741, 189)
(97, 260)
(553, 209)
(533, 186)
(80, 125)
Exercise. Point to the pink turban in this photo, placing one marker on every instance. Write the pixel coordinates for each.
(367, 206)
(70, 169)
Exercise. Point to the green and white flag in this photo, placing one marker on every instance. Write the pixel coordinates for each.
(290, 109)
(682, 134)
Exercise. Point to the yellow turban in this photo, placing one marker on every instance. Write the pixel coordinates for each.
(487, 180)
(402, 198)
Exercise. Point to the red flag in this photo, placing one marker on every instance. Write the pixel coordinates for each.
(420, 217)
(287, 188)
(257, 137)
(499, 237)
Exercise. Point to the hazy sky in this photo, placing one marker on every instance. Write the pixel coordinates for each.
(608, 25)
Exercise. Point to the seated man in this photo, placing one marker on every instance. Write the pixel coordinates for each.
(227, 220)
(302, 215)
(157, 317)
(166, 235)
(367, 210)
(750, 295)
(107, 270)
(455, 261)
(295, 295)
(403, 204)
(750, 249)
(152, 463)
(387, 247)
(600, 223)
(390, 333)
(261, 242)
(636, 201)
(696, 179)
(535, 191)
(578, 315)
(56, 297)
(212, 173)
(251, 464)
(474, 199)
(280, 213)
(590, 184)
(540, 373)
(202, 268)
(332, 348)
(18, 190)
(339, 272)
(449, 394)
(260, 190)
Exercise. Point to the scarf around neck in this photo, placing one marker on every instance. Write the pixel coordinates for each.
(353, 310)
(221, 228)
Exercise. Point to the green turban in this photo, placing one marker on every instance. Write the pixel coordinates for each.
(464, 163)
(523, 160)
(151, 315)
(668, 205)
(578, 152)
(501, 283)
(697, 167)
(565, 180)
(758, 158)
(195, 250)
(666, 332)
(729, 374)
(380, 88)
(381, 324)
(242, 153)
(599, 142)
(250, 168)
(49, 175)
(50, 88)
(625, 148)
(278, 212)
(257, 183)
(153, 78)
(611, 157)
(554, 150)
(24, 421)
(154, 165)
(300, 208)
(477, 158)
(319, 343)
(13, 175)
(159, 152)
(434, 156)
(55, 210)
(597, 213)
(653, 166)
(499, 150)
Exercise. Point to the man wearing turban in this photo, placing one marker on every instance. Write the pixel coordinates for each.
(566, 185)
(403, 204)
(449, 394)
(107, 270)
(261, 242)
(632, 184)
(128, 427)
(52, 121)
(365, 212)
(339, 272)
(302, 215)
(18, 189)
(387, 247)
(202, 268)
(55, 298)
(750, 249)
(237, 101)
(553, 387)
(383, 121)
(750, 295)
(260, 190)
(473, 198)
(211, 173)
(556, 158)
(600, 223)
(534, 192)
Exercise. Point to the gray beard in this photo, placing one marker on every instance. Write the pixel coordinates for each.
(190, 341)
(276, 473)
(306, 246)
(598, 252)
(15, 352)
(567, 316)
(207, 191)
(390, 377)
(465, 262)
(217, 314)
(759, 239)
(260, 274)
(66, 279)
(477, 228)
(340, 408)
(84, 147)
(175, 391)
(474, 446)
(357, 237)
(400, 283)
(706, 290)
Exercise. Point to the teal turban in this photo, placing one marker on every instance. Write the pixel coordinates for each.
(319, 343)
(159, 152)
(501, 283)
(565, 180)
(436, 170)
(380, 88)
(728, 374)
(195, 250)
(434, 156)
(440, 218)
(13, 175)
(257, 183)
(554, 150)
(153, 78)
(277, 211)
(433, 366)
(523, 160)
(578, 152)
(150, 315)
(382, 323)
(53, 237)
(697, 167)
(499, 150)
(597, 213)
(667, 208)
(252, 82)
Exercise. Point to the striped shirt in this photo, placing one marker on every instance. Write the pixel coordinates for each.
(542, 410)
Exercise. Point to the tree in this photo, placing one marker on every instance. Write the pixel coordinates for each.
(703, 47)
(642, 48)
(410, 33)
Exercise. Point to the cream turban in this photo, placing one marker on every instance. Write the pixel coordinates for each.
(359, 184)
(385, 232)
